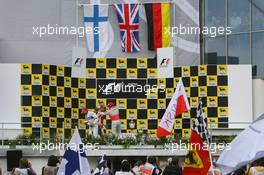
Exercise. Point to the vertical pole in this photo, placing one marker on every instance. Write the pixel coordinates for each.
(174, 24)
(207, 139)
(210, 156)
(62, 138)
(40, 137)
(2, 135)
(77, 21)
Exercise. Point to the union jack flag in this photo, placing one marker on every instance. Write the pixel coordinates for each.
(128, 18)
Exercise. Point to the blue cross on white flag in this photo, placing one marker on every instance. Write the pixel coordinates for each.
(74, 159)
(96, 18)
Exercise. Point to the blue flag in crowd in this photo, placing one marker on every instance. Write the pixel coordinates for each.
(74, 159)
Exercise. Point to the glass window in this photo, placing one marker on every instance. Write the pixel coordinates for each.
(239, 49)
(258, 52)
(215, 50)
(239, 15)
(215, 13)
(258, 15)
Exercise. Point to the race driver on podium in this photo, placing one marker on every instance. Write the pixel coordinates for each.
(113, 113)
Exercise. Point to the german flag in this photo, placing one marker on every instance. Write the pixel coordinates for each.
(158, 20)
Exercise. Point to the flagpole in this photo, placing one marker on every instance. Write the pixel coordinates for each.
(169, 1)
(77, 22)
(207, 139)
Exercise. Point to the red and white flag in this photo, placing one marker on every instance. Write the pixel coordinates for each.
(178, 105)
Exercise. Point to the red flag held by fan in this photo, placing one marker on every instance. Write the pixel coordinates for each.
(178, 105)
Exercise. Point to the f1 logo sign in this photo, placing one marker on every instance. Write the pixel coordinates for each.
(79, 62)
(165, 62)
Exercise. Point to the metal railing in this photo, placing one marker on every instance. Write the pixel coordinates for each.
(17, 129)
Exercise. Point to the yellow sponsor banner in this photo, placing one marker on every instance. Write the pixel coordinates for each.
(36, 122)
(131, 73)
(194, 81)
(178, 123)
(202, 70)
(211, 80)
(36, 100)
(222, 111)
(67, 102)
(26, 90)
(142, 124)
(186, 133)
(91, 73)
(82, 103)
(100, 101)
(222, 70)
(67, 81)
(142, 103)
(186, 71)
(222, 91)
(194, 101)
(161, 103)
(121, 103)
(60, 91)
(46, 133)
(152, 114)
(59, 132)
(60, 71)
(152, 73)
(60, 112)
(27, 131)
(53, 101)
(188, 91)
(123, 124)
(45, 111)
(176, 81)
(152, 94)
(161, 82)
(26, 68)
(45, 69)
(82, 83)
(212, 102)
(74, 92)
(142, 63)
(169, 92)
(26, 111)
(186, 114)
(45, 90)
(36, 79)
(81, 123)
(67, 123)
(91, 93)
(131, 114)
(212, 123)
(202, 91)
(111, 73)
(53, 122)
(121, 63)
(75, 113)
(53, 80)
(101, 63)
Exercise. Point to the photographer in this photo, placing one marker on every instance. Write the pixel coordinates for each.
(24, 168)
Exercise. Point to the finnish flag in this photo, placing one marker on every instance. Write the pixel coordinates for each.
(74, 159)
(96, 18)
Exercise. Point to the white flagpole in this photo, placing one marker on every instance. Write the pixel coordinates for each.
(77, 22)
(207, 140)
